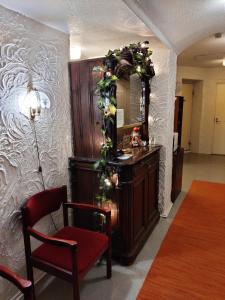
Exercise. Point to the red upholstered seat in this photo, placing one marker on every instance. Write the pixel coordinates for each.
(90, 245)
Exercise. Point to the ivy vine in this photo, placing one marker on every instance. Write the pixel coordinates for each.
(132, 59)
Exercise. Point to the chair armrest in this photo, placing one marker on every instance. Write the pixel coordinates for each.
(22, 284)
(87, 207)
(52, 240)
(94, 209)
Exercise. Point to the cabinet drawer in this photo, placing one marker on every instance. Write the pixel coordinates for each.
(146, 164)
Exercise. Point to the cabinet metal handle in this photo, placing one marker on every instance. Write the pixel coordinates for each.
(217, 120)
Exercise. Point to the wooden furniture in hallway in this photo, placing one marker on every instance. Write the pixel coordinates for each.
(135, 201)
(178, 154)
(177, 172)
(134, 204)
(178, 117)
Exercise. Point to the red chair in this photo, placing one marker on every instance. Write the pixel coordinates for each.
(25, 286)
(72, 251)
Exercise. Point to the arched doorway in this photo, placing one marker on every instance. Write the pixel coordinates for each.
(201, 80)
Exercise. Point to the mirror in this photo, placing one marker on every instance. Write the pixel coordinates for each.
(130, 106)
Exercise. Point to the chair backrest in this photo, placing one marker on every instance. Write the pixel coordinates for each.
(42, 204)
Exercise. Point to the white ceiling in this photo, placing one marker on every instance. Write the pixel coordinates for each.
(182, 22)
(209, 52)
(97, 25)
(102, 24)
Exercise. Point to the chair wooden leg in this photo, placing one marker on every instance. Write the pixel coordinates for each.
(76, 291)
(75, 277)
(28, 295)
(30, 276)
(109, 263)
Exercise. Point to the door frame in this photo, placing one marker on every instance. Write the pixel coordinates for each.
(190, 124)
(213, 135)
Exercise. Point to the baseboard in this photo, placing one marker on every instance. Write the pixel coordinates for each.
(18, 296)
(166, 211)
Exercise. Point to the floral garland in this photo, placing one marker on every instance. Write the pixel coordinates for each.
(131, 59)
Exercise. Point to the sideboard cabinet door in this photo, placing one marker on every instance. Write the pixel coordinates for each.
(139, 200)
(134, 203)
(151, 207)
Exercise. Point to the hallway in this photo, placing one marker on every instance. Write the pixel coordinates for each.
(49, 114)
(203, 167)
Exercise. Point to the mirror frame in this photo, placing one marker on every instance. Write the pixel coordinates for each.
(134, 58)
(123, 66)
(145, 93)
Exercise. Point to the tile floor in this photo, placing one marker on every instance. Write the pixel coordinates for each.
(127, 281)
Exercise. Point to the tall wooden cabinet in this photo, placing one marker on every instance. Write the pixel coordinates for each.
(134, 204)
(178, 154)
(86, 117)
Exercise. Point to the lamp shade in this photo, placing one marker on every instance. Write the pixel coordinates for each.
(32, 101)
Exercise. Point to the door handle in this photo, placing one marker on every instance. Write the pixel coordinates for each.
(217, 120)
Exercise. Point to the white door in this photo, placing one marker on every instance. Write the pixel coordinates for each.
(219, 121)
(187, 93)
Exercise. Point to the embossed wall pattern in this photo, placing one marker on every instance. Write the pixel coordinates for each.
(29, 49)
(161, 119)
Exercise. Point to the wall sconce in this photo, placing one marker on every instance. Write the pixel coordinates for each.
(33, 101)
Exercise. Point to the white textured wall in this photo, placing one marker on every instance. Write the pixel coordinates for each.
(161, 119)
(210, 77)
(28, 47)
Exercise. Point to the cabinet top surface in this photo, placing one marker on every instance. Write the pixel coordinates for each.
(138, 154)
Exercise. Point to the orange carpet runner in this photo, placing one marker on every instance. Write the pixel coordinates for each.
(190, 264)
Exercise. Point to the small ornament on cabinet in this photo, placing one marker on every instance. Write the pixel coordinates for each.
(136, 137)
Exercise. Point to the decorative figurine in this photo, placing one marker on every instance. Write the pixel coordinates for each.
(136, 137)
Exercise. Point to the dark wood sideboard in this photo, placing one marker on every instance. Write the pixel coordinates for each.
(134, 206)
(135, 201)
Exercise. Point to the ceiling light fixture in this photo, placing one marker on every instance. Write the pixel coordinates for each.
(223, 63)
(218, 35)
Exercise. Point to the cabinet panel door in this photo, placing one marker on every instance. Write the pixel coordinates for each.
(86, 116)
(177, 173)
(139, 194)
(96, 117)
(151, 201)
(76, 107)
